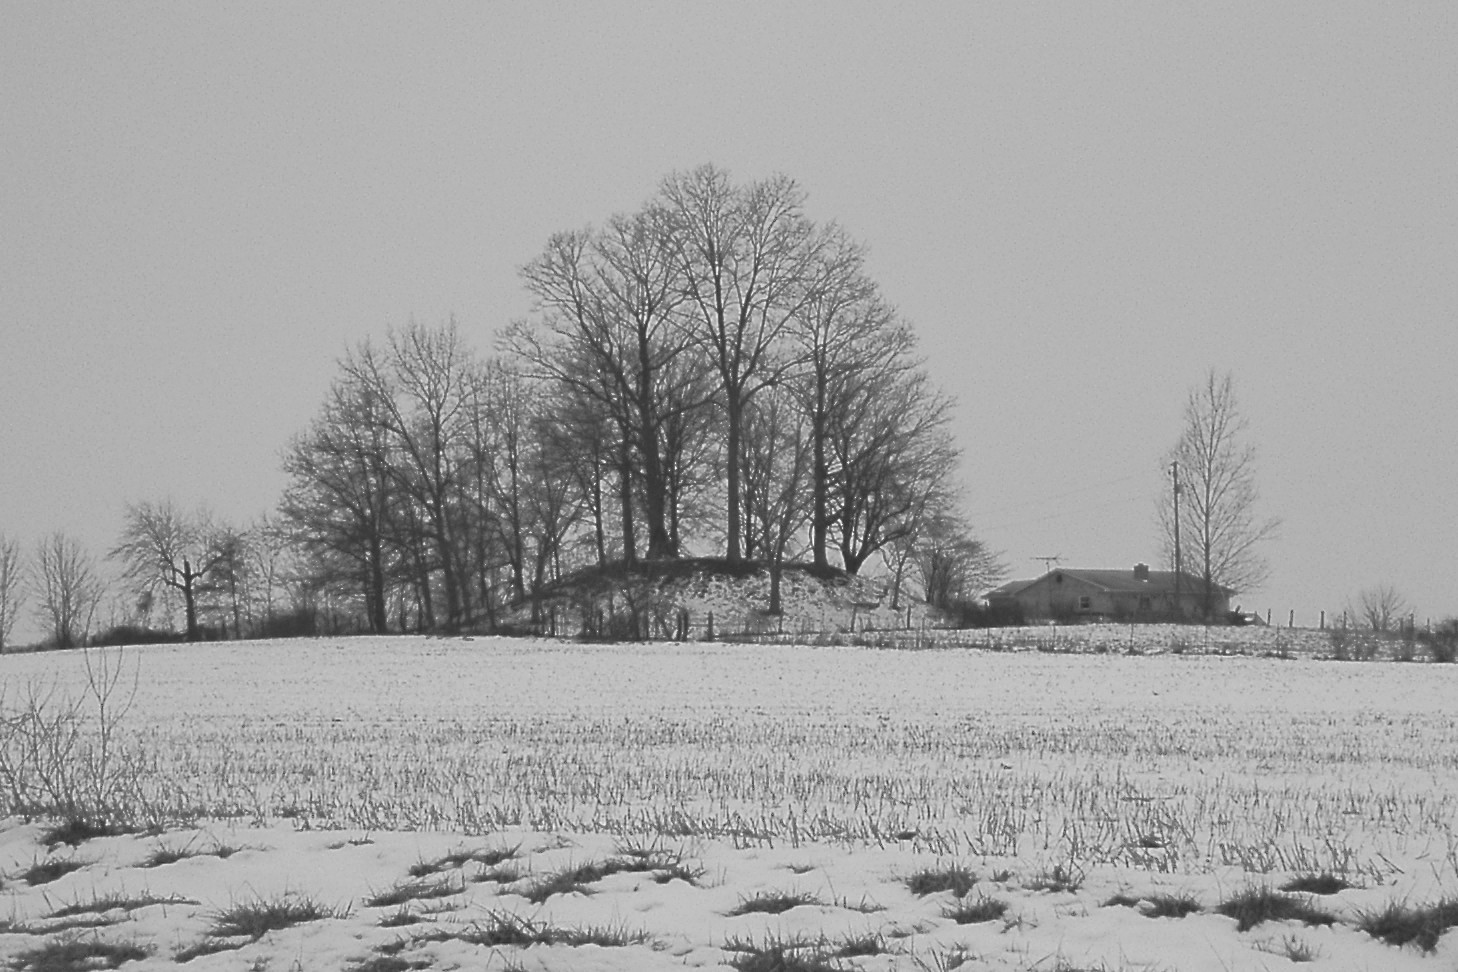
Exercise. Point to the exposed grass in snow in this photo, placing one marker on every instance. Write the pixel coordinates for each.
(486, 856)
(416, 890)
(777, 953)
(773, 903)
(172, 853)
(78, 955)
(51, 869)
(1255, 905)
(244, 922)
(578, 879)
(75, 831)
(972, 911)
(955, 878)
(1317, 884)
(1400, 923)
(117, 901)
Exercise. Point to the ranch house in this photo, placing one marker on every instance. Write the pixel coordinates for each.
(1141, 594)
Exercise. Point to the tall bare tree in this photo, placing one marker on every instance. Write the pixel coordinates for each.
(67, 589)
(161, 546)
(340, 500)
(1218, 526)
(894, 459)
(776, 466)
(606, 332)
(425, 387)
(12, 591)
(853, 346)
(746, 255)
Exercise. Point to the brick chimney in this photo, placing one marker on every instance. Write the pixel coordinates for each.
(1141, 572)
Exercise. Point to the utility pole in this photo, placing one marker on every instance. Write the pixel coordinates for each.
(1174, 475)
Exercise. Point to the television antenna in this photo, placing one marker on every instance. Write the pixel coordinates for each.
(1048, 562)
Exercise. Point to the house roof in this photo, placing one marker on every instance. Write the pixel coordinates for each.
(1011, 588)
(1116, 581)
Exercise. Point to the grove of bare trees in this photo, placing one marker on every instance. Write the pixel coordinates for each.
(712, 375)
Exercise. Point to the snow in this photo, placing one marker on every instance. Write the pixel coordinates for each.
(337, 765)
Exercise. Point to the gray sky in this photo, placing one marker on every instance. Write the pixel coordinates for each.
(1081, 208)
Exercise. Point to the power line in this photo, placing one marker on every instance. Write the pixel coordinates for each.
(1038, 501)
(1061, 514)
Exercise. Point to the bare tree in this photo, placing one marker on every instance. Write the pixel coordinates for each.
(12, 592)
(746, 255)
(952, 564)
(1381, 608)
(776, 465)
(606, 332)
(895, 459)
(1216, 494)
(845, 335)
(341, 498)
(67, 588)
(162, 546)
(425, 387)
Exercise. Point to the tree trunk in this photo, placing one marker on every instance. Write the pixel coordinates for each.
(625, 495)
(189, 597)
(734, 542)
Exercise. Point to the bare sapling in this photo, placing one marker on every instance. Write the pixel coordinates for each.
(61, 756)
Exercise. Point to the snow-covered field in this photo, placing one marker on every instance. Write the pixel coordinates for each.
(831, 775)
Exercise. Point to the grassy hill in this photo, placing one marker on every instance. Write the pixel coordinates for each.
(696, 598)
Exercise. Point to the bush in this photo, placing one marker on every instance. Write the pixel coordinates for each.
(1442, 642)
(60, 757)
(301, 623)
(135, 634)
(973, 614)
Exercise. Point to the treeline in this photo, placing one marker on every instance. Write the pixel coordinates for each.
(714, 374)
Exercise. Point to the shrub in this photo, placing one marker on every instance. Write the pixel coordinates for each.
(1442, 642)
(134, 634)
(60, 757)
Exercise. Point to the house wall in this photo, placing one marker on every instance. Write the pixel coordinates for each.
(1072, 598)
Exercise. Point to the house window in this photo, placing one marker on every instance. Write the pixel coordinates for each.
(1084, 602)
(1144, 602)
